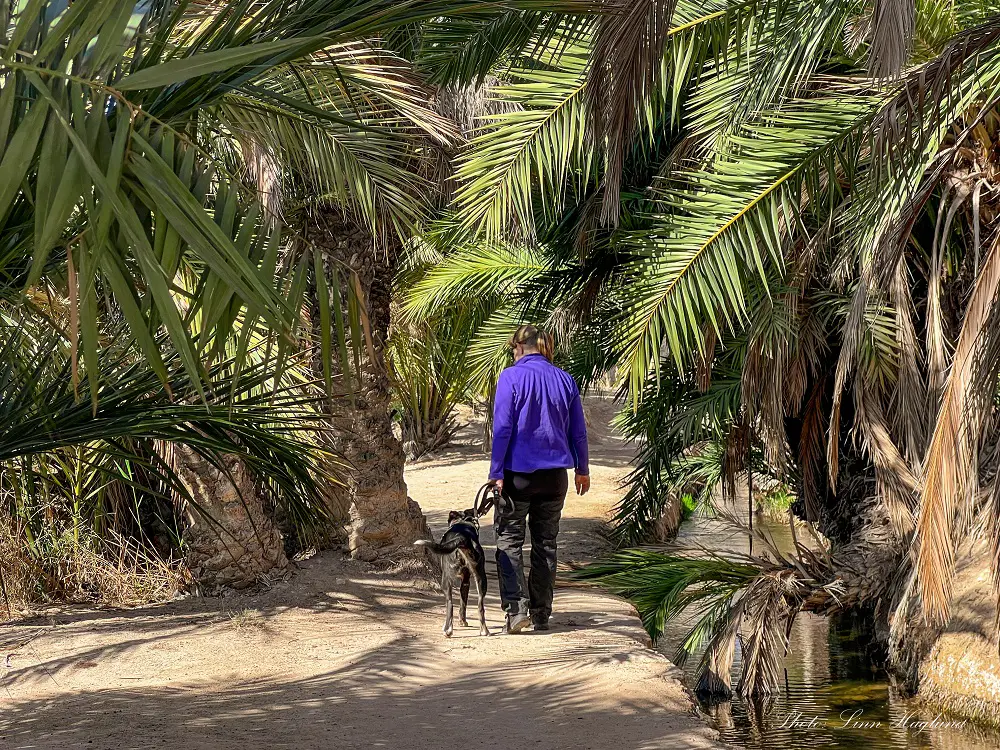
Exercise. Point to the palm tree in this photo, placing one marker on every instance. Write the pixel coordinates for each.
(100, 469)
(358, 233)
(777, 242)
(135, 141)
(429, 373)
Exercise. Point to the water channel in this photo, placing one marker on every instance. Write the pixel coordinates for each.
(832, 696)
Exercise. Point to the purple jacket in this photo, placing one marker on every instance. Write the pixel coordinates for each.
(538, 420)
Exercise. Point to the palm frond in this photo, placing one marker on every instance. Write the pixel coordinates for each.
(949, 479)
(270, 426)
(680, 432)
(906, 143)
(772, 53)
(529, 157)
(475, 274)
(628, 47)
(892, 27)
(465, 50)
(662, 586)
(722, 226)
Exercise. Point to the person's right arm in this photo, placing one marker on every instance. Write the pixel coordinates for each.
(503, 425)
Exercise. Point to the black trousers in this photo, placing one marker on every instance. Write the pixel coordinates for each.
(534, 501)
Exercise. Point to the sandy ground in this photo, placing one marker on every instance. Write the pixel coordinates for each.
(345, 656)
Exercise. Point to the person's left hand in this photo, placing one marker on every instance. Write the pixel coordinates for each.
(498, 483)
(582, 484)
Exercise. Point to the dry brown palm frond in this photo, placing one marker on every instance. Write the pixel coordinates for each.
(766, 366)
(977, 221)
(703, 364)
(809, 256)
(811, 452)
(588, 223)
(716, 666)
(895, 481)
(737, 443)
(854, 330)
(465, 106)
(993, 526)
(765, 640)
(264, 171)
(857, 30)
(909, 398)
(910, 118)
(949, 483)
(796, 382)
(934, 338)
(892, 24)
(810, 351)
(762, 611)
(625, 65)
(911, 121)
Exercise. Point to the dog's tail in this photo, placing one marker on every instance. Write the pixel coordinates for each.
(440, 549)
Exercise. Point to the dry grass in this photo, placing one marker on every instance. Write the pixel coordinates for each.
(122, 574)
(247, 621)
(19, 575)
(111, 571)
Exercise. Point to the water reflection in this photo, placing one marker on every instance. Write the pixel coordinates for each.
(832, 697)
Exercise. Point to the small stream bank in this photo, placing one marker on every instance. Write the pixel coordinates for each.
(832, 696)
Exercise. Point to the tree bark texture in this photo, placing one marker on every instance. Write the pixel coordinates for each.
(381, 519)
(231, 541)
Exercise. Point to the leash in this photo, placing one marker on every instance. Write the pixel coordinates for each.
(488, 497)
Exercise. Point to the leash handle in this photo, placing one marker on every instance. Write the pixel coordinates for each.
(486, 498)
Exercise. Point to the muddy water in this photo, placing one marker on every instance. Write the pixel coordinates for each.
(831, 696)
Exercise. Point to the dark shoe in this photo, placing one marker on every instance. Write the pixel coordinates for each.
(540, 625)
(516, 623)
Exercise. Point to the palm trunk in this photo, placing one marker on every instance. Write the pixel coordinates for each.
(230, 540)
(381, 519)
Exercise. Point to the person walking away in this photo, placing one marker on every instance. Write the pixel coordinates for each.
(538, 433)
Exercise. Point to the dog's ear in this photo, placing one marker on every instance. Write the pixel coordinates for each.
(469, 514)
(454, 516)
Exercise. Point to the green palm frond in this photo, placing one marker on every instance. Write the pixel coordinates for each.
(91, 165)
(465, 50)
(662, 586)
(270, 426)
(106, 160)
(722, 226)
(365, 172)
(767, 61)
(680, 431)
(645, 58)
(475, 275)
(430, 372)
(488, 350)
(527, 158)
(700, 34)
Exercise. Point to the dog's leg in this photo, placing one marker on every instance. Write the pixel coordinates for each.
(449, 612)
(465, 598)
(481, 592)
(449, 605)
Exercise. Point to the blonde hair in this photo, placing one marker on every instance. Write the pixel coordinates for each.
(531, 337)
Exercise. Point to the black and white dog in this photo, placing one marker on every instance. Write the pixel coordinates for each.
(462, 560)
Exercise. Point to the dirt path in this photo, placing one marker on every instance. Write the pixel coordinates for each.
(343, 656)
